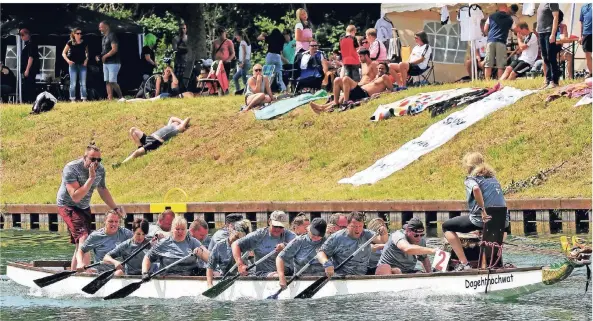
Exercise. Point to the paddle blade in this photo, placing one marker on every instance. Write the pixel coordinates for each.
(220, 287)
(125, 291)
(310, 291)
(98, 282)
(564, 244)
(51, 279)
(274, 296)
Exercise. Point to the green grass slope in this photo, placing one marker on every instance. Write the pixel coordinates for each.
(225, 156)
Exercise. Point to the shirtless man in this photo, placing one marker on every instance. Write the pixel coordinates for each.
(355, 92)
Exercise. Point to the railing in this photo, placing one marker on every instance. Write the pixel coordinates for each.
(528, 216)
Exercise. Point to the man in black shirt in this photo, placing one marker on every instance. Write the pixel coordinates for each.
(29, 65)
(110, 59)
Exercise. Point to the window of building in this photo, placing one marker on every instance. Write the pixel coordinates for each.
(446, 44)
(47, 59)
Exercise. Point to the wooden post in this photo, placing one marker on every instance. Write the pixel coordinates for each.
(199, 215)
(517, 223)
(44, 222)
(155, 218)
(395, 221)
(62, 227)
(25, 221)
(543, 222)
(219, 219)
(99, 221)
(7, 221)
(371, 215)
(568, 222)
(441, 218)
(261, 219)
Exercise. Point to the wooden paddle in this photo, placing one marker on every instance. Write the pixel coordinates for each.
(130, 288)
(296, 275)
(224, 284)
(104, 277)
(312, 289)
(51, 279)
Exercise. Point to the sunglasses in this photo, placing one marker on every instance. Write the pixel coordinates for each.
(95, 159)
(78, 33)
(314, 46)
(257, 70)
(419, 234)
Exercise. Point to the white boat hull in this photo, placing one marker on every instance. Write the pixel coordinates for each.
(502, 282)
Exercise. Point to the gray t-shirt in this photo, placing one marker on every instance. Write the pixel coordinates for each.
(166, 132)
(125, 249)
(262, 243)
(101, 244)
(395, 257)
(339, 246)
(374, 258)
(300, 251)
(545, 19)
(218, 236)
(491, 191)
(221, 257)
(168, 251)
(75, 172)
(106, 42)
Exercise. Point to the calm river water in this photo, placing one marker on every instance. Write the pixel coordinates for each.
(563, 301)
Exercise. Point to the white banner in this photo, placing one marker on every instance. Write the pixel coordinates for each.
(436, 135)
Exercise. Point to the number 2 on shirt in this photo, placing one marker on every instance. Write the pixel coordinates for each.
(441, 260)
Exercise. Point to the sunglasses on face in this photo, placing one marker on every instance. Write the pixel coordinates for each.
(95, 159)
(257, 70)
(314, 46)
(78, 33)
(419, 234)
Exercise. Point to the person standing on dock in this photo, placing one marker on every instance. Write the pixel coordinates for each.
(79, 179)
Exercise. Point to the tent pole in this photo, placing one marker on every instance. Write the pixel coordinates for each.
(18, 69)
(140, 43)
(571, 19)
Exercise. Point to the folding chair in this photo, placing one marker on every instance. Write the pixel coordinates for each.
(209, 84)
(424, 75)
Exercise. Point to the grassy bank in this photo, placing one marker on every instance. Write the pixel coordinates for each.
(224, 156)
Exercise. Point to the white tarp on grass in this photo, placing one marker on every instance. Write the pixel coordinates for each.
(436, 135)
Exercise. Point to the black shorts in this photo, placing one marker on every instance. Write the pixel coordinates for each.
(461, 224)
(520, 67)
(149, 143)
(357, 93)
(587, 43)
(415, 70)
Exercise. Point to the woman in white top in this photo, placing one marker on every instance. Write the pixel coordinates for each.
(303, 33)
(244, 63)
(418, 61)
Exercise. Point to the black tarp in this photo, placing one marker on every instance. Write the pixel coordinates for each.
(50, 25)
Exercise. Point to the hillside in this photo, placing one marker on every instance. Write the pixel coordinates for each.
(225, 156)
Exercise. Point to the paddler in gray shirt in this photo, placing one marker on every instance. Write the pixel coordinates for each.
(221, 260)
(124, 250)
(340, 245)
(302, 250)
(155, 140)
(162, 228)
(224, 232)
(102, 241)
(263, 241)
(403, 249)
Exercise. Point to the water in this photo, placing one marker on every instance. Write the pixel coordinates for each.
(563, 301)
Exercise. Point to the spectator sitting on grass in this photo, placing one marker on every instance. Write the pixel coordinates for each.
(258, 90)
(155, 140)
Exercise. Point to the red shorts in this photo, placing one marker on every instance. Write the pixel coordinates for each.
(78, 221)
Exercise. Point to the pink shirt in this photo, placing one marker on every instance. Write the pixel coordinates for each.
(307, 33)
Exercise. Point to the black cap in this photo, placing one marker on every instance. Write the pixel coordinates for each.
(415, 224)
(232, 218)
(318, 227)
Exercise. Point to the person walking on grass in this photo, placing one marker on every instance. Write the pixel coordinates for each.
(79, 179)
(110, 59)
(244, 59)
(155, 140)
(76, 54)
(547, 27)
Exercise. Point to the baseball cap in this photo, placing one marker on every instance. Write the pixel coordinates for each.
(415, 224)
(279, 218)
(318, 227)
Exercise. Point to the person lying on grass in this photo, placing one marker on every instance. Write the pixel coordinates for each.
(258, 90)
(355, 92)
(155, 140)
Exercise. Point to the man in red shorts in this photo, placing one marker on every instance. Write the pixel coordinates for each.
(79, 179)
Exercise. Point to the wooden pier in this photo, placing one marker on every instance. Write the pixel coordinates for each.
(528, 216)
